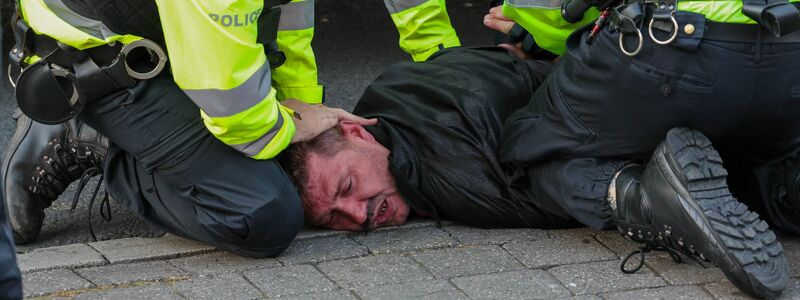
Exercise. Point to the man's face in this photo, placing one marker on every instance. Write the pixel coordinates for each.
(353, 189)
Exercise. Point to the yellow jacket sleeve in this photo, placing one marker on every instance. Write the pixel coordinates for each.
(542, 19)
(424, 26)
(297, 77)
(216, 60)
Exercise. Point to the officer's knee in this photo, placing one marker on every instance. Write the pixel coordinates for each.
(271, 227)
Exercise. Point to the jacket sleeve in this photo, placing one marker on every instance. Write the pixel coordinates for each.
(424, 26)
(217, 62)
(297, 77)
(542, 18)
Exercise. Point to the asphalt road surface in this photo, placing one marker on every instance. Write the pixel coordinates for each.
(355, 40)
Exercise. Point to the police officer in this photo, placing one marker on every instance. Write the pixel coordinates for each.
(10, 278)
(196, 98)
(423, 25)
(662, 80)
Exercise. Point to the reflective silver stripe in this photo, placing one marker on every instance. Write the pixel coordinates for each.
(255, 147)
(536, 3)
(89, 26)
(396, 6)
(223, 103)
(297, 15)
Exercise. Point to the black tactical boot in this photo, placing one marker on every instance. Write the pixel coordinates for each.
(39, 164)
(681, 203)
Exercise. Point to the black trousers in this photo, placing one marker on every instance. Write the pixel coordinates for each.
(10, 278)
(167, 168)
(600, 108)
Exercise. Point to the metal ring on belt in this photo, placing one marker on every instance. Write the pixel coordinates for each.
(671, 38)
(638, 48)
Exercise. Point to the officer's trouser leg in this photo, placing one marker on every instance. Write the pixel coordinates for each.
(599, 102)
(572, 190)
(10, 279)
(168, 169)
(763, 150)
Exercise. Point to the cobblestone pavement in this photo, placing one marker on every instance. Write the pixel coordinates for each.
(421, 260)
(353, 43)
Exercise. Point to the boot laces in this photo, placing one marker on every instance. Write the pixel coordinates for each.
(642, 250)
(666, 243)
(61, 168)
(92, 163)
(105, 204)
(54, 175)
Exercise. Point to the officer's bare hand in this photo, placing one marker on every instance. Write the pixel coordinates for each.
(495, 20)
(316, 118)
(516, 50)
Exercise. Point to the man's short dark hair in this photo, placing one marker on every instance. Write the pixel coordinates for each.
(295, 158)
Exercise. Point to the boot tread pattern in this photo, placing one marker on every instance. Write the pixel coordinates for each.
(748, 238)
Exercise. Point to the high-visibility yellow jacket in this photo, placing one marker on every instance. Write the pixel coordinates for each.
(542, 18)
(424, 26)
(215, 59)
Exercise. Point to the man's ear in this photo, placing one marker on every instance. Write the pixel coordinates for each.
(351, 130)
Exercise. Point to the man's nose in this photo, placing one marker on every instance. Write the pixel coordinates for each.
(354, 210)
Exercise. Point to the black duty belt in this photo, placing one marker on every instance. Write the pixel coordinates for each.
(638, 21)
(745, 33)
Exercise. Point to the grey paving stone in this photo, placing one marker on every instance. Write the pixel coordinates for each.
(47, 282)
(322, 249)
(582, 297)
(727, 291)
(792, 291)
(155, 291)
(223, 286)
(600, 277)
(300, 279)
(70, 256)
(312, 232)
(558, 250)
(687, 272)
(791, 248)
(522, 284)
(472, 235)
(434, 290)
(669, 292)
(124, 273)
(412, 223)
(580, 232)
(327, 295)
(618, 244)
(455, 262)
(405, 240)
(221, 262)
(374, 270)
(139, 249)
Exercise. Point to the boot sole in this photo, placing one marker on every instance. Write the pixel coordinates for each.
(755, 261)
(16, 140)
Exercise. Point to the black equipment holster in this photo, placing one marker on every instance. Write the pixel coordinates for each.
(54, 81)
(779, 16)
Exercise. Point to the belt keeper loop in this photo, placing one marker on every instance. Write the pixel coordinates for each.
(689, 40)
